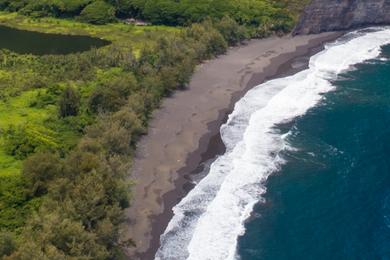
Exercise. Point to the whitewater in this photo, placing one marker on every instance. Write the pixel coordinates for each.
(208, 221)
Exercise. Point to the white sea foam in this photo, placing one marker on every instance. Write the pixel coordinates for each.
(209, 220)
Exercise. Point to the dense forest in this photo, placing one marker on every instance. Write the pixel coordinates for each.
(168, 12)
(64, 180)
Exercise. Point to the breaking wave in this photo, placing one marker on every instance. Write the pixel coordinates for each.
(208, 221)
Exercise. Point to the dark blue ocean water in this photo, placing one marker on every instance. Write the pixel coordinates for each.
(331, 199)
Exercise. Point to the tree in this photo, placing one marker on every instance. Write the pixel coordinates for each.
(7, 244)
(163, 12)
(98, 12)
(72, 7)
(129, 120)
(212, 40)
(39, 169)
(51, 235)
(111, 95)
(116, 139)
(69, 102)
(124, 8)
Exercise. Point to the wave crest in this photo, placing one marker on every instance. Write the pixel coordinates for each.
(209, 220)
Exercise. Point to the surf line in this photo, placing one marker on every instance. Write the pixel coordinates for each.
(208, 221)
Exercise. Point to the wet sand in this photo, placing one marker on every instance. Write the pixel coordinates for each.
(184, 132)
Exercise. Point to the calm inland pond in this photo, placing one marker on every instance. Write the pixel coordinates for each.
(28, 42)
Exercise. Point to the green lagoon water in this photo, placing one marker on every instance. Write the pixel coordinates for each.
(28, 42)
(331, 199)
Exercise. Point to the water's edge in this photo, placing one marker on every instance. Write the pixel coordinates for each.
(207, 209)
(211, 145)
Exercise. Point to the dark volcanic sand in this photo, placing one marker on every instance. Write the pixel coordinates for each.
(166, 160)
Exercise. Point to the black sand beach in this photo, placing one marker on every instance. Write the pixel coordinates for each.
(159, 189)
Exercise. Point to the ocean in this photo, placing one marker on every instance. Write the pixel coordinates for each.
(306, 170)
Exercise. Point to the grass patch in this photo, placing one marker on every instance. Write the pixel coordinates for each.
(124, 35)
(17, 111)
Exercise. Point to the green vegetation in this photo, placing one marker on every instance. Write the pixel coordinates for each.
(98, 12)
(69, 123)
(253, 13)
(69, 103)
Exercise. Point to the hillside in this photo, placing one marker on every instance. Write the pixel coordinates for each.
(334, 15)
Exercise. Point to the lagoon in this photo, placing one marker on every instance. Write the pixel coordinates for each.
(28, 42)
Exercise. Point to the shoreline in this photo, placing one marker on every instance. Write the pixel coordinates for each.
(276, 57)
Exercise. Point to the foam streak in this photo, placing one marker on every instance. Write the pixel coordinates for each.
(209, 220)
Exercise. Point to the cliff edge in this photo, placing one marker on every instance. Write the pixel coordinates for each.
(335, 15)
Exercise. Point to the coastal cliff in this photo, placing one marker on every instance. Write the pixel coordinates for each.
(334, 15)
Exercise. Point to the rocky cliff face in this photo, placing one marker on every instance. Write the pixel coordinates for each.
(333, 15)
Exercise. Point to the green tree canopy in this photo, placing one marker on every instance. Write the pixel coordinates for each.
(69, 104)
(98, 12)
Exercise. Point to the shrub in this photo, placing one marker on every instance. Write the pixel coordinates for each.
(69, 104)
